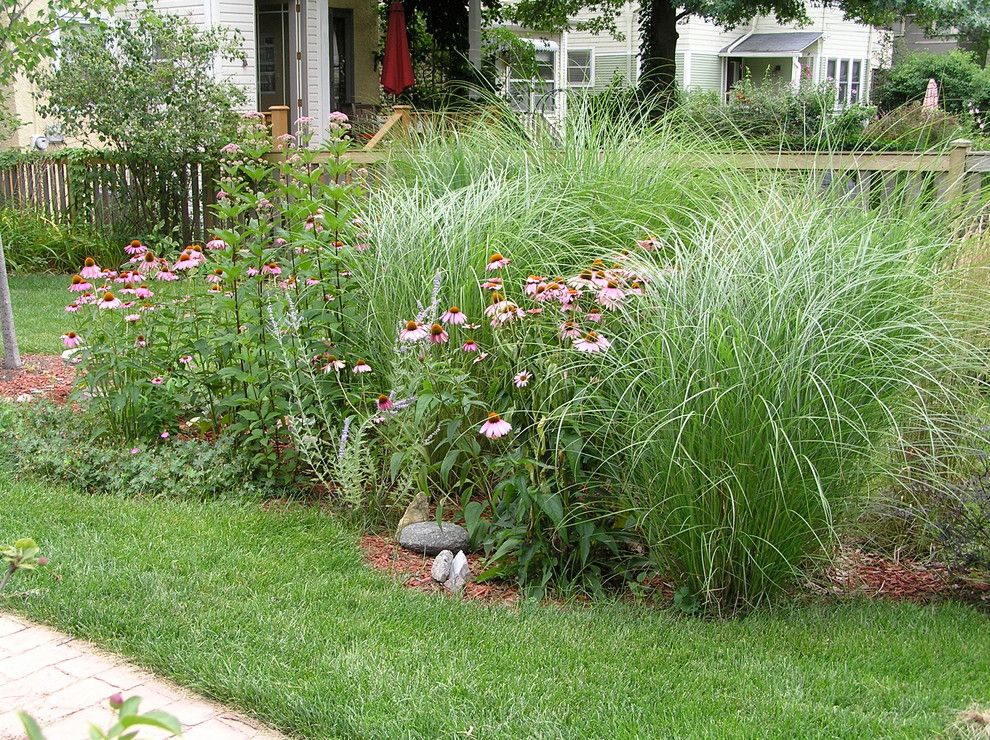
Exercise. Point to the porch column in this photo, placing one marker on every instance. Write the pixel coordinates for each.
(474, 33)
(796, 72)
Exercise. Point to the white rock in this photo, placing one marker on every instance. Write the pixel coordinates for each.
(441, 566)
(460, 573)
(24, 398)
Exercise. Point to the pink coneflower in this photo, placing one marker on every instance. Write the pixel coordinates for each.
(216, 244)
(135, 247)
(532, 283)
(338, 245)
(157, 380)
(215, 277)
(71, 340)
(146, 261)
(583, 279)
(185, 262)
(492, 284)
(251, 272)
(135, 450)
(312, 281)
(384, 403)
(361, 367)
(271, 268)
(72, 308)
(413, 332)
(569, 330)
(90, 269)
(438, 335)
(109, 300)
(454, 316)
(140, 342)
(592, 342)
(333, 365)
(337, 117)
(496, 262)
(480, 358)
(594, 317)
(143, 292)
(636, 288)
(132, 317)
(128, 289)
(495, 426)
(186, 360)
(470, 346)
(611, 295)
(650, 244)
(166, 275)
(522, 379)
(79, 285)
(508, 312)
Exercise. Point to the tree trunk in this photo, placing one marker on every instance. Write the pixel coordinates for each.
(11, 356)
(658, 45)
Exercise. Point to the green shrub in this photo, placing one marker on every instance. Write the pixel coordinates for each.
(912, 128)
(61, 444)
(33, 242)
(959, 77)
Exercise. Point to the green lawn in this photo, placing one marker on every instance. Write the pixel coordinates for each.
(39, 312)
(273, 612)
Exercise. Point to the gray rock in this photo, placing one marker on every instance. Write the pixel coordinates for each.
(441, 566)
(460, 573)
(430, 538)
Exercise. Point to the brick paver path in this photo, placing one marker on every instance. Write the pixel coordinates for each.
(64, 683)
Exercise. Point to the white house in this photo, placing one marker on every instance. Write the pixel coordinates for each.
(828, 49)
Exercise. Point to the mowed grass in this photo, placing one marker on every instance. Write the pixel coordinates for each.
(273, 612)
(39, 312)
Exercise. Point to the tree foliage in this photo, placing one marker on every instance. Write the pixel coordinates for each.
(144, 83)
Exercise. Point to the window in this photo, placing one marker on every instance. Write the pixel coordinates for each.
(848, 77)
(580, 69)
(536, 94)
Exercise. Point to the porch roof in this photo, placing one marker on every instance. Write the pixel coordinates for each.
(787, 44)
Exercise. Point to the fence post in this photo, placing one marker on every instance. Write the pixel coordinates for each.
(956, 185)
(280, 121)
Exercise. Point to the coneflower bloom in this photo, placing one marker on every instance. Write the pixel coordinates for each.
(128, 289)
(470, 346)
(157, 380)
(361, 367)
(109, 300)
(454, 316)
(79, 285)
(72, 308)
(438, 335)
(594, 317)
(532, 282)
(186, 360)
(384, 403)
(480, 358)
(90, 269)
(636, 288)
(146, 262)
(496, 262)
(135, 247)
(495, 426)
(650, 244)
(216, 277)
(508, 312)
(185, 262)
(166, 275)
(140, 342)
(522, 379)
(271, 268)
(492, 284)
(312, 281)
(251, 271)
(611, 295)
(592, 342)
(71, 340)
(215, 244)
(132, 317)
(333, 365)
(143, 291)
(569, 330)
(413, 332)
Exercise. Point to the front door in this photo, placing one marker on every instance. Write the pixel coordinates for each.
(733, 73)
(272, 23)
(341, 46)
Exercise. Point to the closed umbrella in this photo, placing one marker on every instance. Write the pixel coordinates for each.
(931, 96)
(397, 74)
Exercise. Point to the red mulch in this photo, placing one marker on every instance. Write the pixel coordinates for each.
(42, 376)
(413, 571)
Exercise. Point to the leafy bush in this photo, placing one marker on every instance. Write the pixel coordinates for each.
(35, 243)
(960, 79)
(911, 127)
(53, 442)
(774, 116)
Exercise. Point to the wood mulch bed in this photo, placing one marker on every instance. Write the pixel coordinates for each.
(41, 376)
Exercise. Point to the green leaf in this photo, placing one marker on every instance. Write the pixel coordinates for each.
(156, 718)
(472, 516)
(31, 728)
(552, 506)
(395, 464)
(448, 462)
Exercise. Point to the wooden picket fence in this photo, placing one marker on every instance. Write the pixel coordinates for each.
(127, 199)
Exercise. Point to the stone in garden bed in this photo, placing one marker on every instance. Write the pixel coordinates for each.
(432, 538)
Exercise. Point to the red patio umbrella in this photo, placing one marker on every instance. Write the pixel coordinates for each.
(397, 74)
